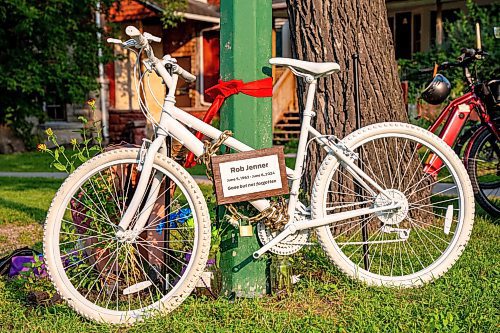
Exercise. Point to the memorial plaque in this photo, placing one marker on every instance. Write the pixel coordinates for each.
(249, 175)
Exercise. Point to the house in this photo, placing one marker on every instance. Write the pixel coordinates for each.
(194, 42)
(416, 25)
(195, 45)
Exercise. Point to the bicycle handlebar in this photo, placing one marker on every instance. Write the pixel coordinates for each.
(466, 58)
(188, 77)
(445, 65)
(142, 41)
(135, 34)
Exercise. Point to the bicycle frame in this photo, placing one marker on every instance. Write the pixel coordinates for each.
(174, 122)
(456, 114)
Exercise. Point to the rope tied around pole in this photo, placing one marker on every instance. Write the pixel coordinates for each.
(223, 90)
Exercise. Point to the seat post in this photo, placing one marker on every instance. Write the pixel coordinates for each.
(301, 149)
(311, 92)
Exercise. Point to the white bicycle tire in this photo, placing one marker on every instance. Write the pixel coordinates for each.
(57, 274)
(438, 268)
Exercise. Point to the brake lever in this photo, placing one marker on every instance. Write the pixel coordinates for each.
(127, 44)
(114, 41)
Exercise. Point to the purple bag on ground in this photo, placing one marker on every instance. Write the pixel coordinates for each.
(19, 264)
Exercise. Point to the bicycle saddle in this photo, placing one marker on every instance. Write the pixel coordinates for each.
(316, 69)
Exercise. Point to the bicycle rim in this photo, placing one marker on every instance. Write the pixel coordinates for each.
(414, 241)
(123, 280)
(484, 169)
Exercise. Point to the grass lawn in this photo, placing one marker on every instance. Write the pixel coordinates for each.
(32, 161)
(38, 162)
(35, 161)
(464, 300)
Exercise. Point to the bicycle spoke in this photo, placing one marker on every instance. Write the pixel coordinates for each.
(404, 244)
(125, 274)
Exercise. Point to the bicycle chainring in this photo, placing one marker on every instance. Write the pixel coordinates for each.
(289, 245)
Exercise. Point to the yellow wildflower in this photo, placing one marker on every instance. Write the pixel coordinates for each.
(91, 102)
(41, 147)
(49, 132)
(73, 142)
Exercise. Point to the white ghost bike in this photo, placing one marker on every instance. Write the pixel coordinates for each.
(116, 255)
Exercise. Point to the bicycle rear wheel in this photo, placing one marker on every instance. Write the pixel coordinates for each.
(483, 166)
(122, 280)
(415, 243)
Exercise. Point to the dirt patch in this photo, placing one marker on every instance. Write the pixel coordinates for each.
(15, 236)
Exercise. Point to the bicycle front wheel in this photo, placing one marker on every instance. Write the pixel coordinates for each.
(415, 243)
(121, 280)
(483, 165)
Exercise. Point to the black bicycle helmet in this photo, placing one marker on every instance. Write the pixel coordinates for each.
(437, 90)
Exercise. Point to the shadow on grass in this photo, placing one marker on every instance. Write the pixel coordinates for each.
(26, 200)
(29, 184)
(36, 213)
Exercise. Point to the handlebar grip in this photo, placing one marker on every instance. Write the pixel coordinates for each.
(114, 41)
(188, 77)
(134, 33)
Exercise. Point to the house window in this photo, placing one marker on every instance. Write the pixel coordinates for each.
(403, 35)
(282, 42)
(406, 31)
(54, 107)
(210, 61)
(279, 42)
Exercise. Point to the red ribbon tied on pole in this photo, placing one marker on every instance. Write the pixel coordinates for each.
(221, 91)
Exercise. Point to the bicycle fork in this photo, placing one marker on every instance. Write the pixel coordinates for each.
(168, 126)
(146, 169)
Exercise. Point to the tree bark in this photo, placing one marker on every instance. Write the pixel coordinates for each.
(333, 30)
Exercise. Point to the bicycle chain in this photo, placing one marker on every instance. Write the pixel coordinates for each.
(274, 217)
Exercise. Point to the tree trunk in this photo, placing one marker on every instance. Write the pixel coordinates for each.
(333, 30)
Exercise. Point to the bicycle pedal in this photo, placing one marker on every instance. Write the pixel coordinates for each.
(136, 287)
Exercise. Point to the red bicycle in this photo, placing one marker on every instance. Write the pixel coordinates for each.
(482, 145)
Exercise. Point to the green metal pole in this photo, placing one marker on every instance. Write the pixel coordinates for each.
(245, 43)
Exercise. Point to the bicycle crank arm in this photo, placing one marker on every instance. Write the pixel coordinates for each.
(315, 223)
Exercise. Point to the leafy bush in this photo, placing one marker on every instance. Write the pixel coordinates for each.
(49, 53)
(459, 34)
(170, 18)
